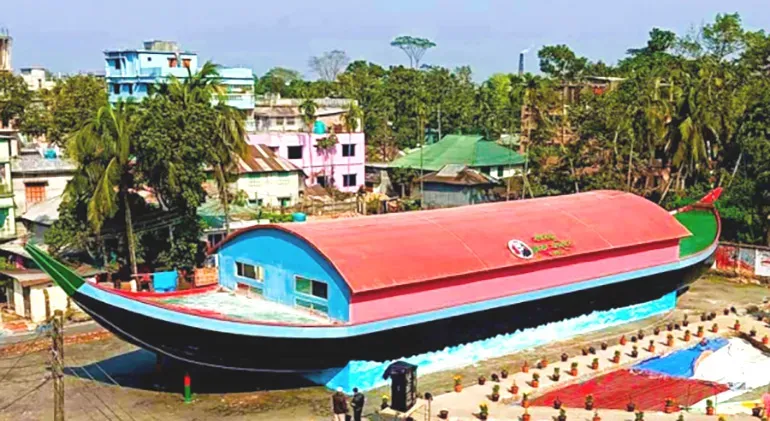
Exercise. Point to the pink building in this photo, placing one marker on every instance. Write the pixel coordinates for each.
(343, 164)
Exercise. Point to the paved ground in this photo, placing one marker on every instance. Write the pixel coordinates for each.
(144, 394)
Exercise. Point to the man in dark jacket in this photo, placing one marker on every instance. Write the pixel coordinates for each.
(339, 405)
(358, 404)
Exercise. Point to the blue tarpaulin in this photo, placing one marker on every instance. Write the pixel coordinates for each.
(680, 363)
(164, 281)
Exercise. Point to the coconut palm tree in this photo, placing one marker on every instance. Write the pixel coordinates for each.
(350, 120)
(103, 148)
(227, 148)
(307, 111)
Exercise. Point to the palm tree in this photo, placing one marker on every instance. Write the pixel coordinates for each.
(307, 110)
(228, 146)
(350, 120)
(691, 128)
(229, 139)
(103, 148)
(199, 87)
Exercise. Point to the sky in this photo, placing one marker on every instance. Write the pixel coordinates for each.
(71, 35)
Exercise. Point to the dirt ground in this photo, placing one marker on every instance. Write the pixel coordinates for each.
(110, 379)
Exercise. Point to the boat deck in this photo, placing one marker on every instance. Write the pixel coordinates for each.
(230, 306)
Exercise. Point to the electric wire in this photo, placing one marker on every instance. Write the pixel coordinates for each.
(117, 384)
(24, 395)
(18, 360)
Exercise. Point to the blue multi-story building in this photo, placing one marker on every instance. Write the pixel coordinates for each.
(129, 73)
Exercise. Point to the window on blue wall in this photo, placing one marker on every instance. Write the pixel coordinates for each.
(246, 270)
(312, 306)
(116, 88)
(312, 287)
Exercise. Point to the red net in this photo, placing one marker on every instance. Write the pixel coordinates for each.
(648, 391)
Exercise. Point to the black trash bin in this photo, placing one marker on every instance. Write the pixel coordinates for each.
(403, 385)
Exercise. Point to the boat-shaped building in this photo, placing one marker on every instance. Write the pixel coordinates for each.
(308, 296)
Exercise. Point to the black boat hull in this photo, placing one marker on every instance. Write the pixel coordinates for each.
(242, 352)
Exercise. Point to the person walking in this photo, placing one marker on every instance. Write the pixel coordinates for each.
(339, 405)
(358, 404)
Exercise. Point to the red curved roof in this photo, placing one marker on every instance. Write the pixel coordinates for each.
(384, 251)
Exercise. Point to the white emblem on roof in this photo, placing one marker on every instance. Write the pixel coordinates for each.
(520, 249)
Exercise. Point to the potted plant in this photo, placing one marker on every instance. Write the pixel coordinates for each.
(542, 363)
(562, 415)
(639, 416)
(765, 340)
(634, 352)
(651, 348)
(514, 388)
(633, 339)
(726, 312)
(596, 416)
(700, 332)
(573, 369)
(504, 373)
(483, 411)
(564, 357)
(495, 378)
(525, 416)
(623, 340)
(604, 346)
(458, 383)
(737, 325)
(703, 317)
(384, 404)
(687, 335)
(656, 331)
(640, 334)
(443, 414)
(556, 375)
(535, 380)
(709, 407)
(589, 402)
(584, 351)
(677, 327)
(525, 400)
(670, 340)
(712, 315)
(670, 327)
(680, 417)
(482, 380)
(616, 357)
(686, 322)
(630, 406)
(753, 332)
(592, 350)
(714, 328)
(557, 403)
(495, 393)
(525, 367)
(756, 410)
(595, 364)
(669, 408)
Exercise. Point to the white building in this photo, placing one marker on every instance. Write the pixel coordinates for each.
(36, 78)
(268, 179)
(39, 174)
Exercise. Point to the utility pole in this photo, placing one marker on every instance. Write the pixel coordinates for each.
(57, 365)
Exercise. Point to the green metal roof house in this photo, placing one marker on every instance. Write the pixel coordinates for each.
(469, 150)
